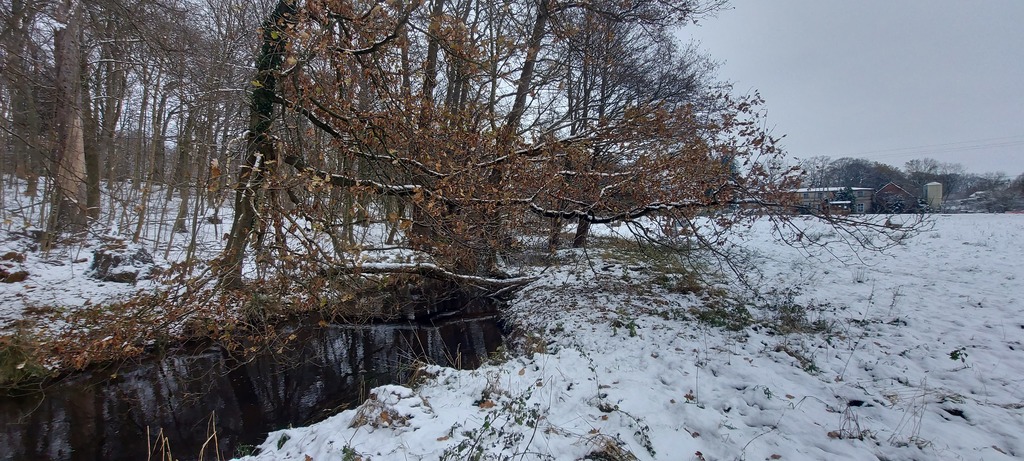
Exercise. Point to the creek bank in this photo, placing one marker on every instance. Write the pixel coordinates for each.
(121, 413)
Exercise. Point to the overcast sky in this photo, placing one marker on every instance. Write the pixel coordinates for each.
(883, 80)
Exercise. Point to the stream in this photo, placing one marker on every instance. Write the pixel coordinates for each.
(177, 403)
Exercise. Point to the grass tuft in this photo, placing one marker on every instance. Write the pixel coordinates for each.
(20, 364)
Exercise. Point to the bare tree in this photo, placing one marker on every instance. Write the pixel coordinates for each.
(816, 171)
(25, 127)
(70, 193)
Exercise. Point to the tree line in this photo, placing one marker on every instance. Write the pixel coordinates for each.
(449, 129)
(997, 192)
(104, 101)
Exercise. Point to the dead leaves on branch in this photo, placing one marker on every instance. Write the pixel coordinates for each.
(377, 126)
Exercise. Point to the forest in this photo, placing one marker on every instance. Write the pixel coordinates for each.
(217, 193)
(455, 126)
(338, 148)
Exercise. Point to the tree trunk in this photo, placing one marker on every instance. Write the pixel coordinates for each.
(582, 231)
(555, 234)
(515, 116)
(421, 233)
(153, 159)
(108, 109)
(183, 173)
(24, 113)
(494, 229)
(92, 155)
(138, 172)
(259, 149)
(70, 195)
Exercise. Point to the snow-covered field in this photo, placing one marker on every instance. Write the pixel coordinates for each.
(912, 353)
(915, 353)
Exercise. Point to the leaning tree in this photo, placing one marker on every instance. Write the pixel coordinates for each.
(460, 125)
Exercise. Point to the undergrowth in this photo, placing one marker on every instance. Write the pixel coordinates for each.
(676, 270)
(243, 321)
(786, 315)
(20, 364)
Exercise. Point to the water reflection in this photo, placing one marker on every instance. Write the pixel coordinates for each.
(95, 417)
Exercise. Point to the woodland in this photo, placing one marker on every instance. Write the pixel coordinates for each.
(459, 134)
(339, 162)
(458, 126)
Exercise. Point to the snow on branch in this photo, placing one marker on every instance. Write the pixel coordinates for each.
(345, 181)
(637, 212)
(436, 272)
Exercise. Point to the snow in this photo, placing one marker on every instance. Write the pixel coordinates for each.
(60, 280)
(919, 356)
(914, 352)
(57, 280)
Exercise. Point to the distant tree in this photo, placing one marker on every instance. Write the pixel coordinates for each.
(1017, 186)
(855, 172)
(847, 195)
(921, 170)
(816, 171)
(1000, 201)
(986, 182)
(952, 176)
(997, 192)
(1016, 190)
(892, 174)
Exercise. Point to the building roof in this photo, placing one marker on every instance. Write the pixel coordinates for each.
(898, 187)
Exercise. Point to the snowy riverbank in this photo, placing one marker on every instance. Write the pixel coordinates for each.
(914, 353)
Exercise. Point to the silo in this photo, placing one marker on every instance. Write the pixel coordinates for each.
(933, 195)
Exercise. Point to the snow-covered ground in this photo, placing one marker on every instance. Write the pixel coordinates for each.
(60, 280)
(914, 353)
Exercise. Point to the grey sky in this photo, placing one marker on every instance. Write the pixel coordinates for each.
(882, 79)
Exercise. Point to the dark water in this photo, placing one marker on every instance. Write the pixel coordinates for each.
(92, 416)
